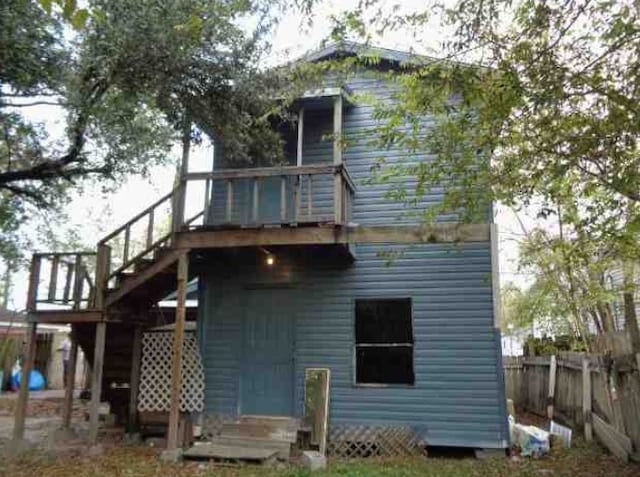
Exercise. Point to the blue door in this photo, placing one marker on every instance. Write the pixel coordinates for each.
(266, 381)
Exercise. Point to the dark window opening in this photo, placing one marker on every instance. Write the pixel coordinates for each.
(384, 341)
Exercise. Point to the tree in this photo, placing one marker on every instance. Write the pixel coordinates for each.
(549, 89)
(126, 79)
(531, 102)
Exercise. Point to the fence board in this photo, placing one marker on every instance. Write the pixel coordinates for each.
(527, 384)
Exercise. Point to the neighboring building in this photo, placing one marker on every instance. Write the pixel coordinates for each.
(614, 280)
(293, 276)
(49, 358)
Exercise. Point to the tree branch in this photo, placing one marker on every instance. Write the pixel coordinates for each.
(34, 103)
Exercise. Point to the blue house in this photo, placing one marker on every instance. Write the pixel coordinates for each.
(294, 275)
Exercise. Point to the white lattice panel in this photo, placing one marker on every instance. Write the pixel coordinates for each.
(155, 374)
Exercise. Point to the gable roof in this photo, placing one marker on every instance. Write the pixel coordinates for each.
(349, 48)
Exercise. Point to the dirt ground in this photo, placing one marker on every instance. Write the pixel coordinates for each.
(43, 416)
(118, 459)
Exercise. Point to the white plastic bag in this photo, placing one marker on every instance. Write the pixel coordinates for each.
(532, 440)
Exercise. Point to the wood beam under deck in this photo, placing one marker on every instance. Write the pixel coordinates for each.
(438, 233)
(65, 316)
(71, 317)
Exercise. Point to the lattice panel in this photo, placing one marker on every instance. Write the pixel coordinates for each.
(155, 373)
(371, 441)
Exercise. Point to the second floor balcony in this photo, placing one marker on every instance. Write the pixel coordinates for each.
(286, 195)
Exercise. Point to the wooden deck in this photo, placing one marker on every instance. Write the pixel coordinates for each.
(114, 291)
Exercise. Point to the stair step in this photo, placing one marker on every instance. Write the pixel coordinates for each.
(283, 447)
(277, 421)
(160, 252)
(122, 277)
(142, 263)
(230, 453)
(282, 429)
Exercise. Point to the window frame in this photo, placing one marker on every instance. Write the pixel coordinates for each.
(355, 345)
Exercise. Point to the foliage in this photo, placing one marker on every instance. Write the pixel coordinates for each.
(547, 346)
(554, 102)
(530, 104)
(130, 78)
(573, 291)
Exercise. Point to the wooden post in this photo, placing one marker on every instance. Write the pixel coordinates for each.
(70, 383)
(67, 284)
(300, 137)
(309, 195)
(150, 229)
(283, 199)
(23, 396)
(586, 399)
(256, 199)
(229, 200)
(297, 192)
(103, 260)
(127, 239)
(78, 277)
(53, 278)
(553, 367)
(337, 158)
(178, 344)
(34, 281)
(96, 381)
(29, 358)
(207, 200)
(179, 204)
(134, 381)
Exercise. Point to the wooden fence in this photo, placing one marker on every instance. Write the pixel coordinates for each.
(594, 393)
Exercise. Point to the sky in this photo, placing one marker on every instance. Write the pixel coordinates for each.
(96, 213)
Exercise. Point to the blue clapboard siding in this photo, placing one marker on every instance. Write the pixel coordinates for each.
(371, 206)
(457, 399)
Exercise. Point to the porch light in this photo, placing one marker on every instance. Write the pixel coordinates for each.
(271, 259)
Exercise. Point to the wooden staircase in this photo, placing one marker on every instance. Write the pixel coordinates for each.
(120, 283)
(131, 276)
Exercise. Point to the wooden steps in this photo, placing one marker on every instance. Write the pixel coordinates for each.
(257, 439)
(231, 453)
(275, 428)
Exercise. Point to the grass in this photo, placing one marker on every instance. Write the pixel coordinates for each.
(581, 461)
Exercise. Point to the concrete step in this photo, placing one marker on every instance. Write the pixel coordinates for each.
(231, 453)
(283, 447)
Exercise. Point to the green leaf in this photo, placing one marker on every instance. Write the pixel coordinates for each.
(69, 8)
(46, 5)
(79, 19)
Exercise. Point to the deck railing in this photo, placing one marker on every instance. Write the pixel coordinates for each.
(286, 195)
(62, 281)
(275, 195)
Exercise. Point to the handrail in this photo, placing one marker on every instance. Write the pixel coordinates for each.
(151, 247)
(273, 172)
(136, 218)
(263, 172)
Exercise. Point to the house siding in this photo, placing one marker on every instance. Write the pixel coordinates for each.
(458, 395)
